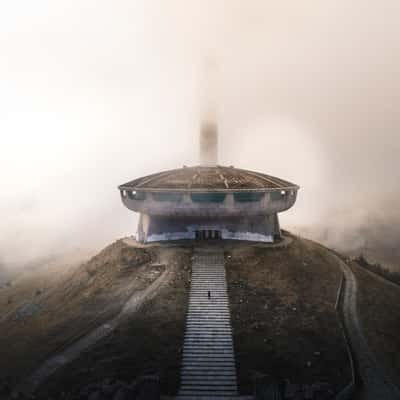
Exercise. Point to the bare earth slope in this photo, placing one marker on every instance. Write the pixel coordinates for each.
(282, 304)
(283, 314)
(149, 342)
(36, 322)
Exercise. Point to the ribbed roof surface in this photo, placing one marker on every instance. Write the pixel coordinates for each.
(207, 179)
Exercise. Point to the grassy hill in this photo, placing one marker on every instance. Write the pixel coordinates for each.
(282, 306)
(44, 311)
(283, 309)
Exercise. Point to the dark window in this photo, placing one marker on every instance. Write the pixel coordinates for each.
(160, 196)
(139, 195)
(278, 195)
(248, 196)
(134, 195)
(208, 197)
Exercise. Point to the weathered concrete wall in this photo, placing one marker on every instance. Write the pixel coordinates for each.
(268, 205)
(156, 228)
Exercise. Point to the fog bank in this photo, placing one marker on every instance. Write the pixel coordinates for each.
(94, 93)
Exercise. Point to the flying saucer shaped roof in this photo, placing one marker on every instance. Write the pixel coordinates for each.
(216, 179)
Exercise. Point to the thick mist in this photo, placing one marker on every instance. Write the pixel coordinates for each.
(95, 93)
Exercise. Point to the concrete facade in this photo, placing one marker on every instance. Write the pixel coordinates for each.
(153, 228)
(271, 202)
(208, 203)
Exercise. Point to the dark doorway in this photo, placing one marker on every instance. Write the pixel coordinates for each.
(207, 234)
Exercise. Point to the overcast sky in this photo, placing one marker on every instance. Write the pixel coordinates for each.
(95, 93)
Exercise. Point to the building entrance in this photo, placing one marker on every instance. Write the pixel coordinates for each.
(205, 234)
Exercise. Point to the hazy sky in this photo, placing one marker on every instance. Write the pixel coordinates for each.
(95, 93)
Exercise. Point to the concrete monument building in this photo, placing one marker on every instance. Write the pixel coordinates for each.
(208, 201)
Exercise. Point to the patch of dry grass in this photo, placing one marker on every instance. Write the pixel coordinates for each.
(379, 310)
(149, 342)
(283, 314)
(35, 324)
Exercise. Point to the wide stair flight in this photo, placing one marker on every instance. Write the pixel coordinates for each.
(208, 365)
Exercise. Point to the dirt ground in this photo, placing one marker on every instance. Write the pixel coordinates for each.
(283, 314)
(41, 314)
(379, 311)
(150, 342)
(282, 301)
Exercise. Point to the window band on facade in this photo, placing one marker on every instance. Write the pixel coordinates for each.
(165, 196)
(208, 197)
(133, 195)
(276, 195)
(248, 196)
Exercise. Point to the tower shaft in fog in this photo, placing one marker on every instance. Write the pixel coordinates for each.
(209, 143)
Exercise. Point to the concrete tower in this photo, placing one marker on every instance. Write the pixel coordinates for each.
(208, 126)
(208, 143)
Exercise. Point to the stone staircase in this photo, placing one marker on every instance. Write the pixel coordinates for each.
(208, 365)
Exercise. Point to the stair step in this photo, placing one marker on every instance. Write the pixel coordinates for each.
(211, 374)
(190, 345)
(206, 392)
(211, 352)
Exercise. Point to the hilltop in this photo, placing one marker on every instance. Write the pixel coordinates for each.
(282, 302)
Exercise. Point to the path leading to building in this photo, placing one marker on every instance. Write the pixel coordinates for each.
(73, 351)
(208, 365)
(375, 385)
